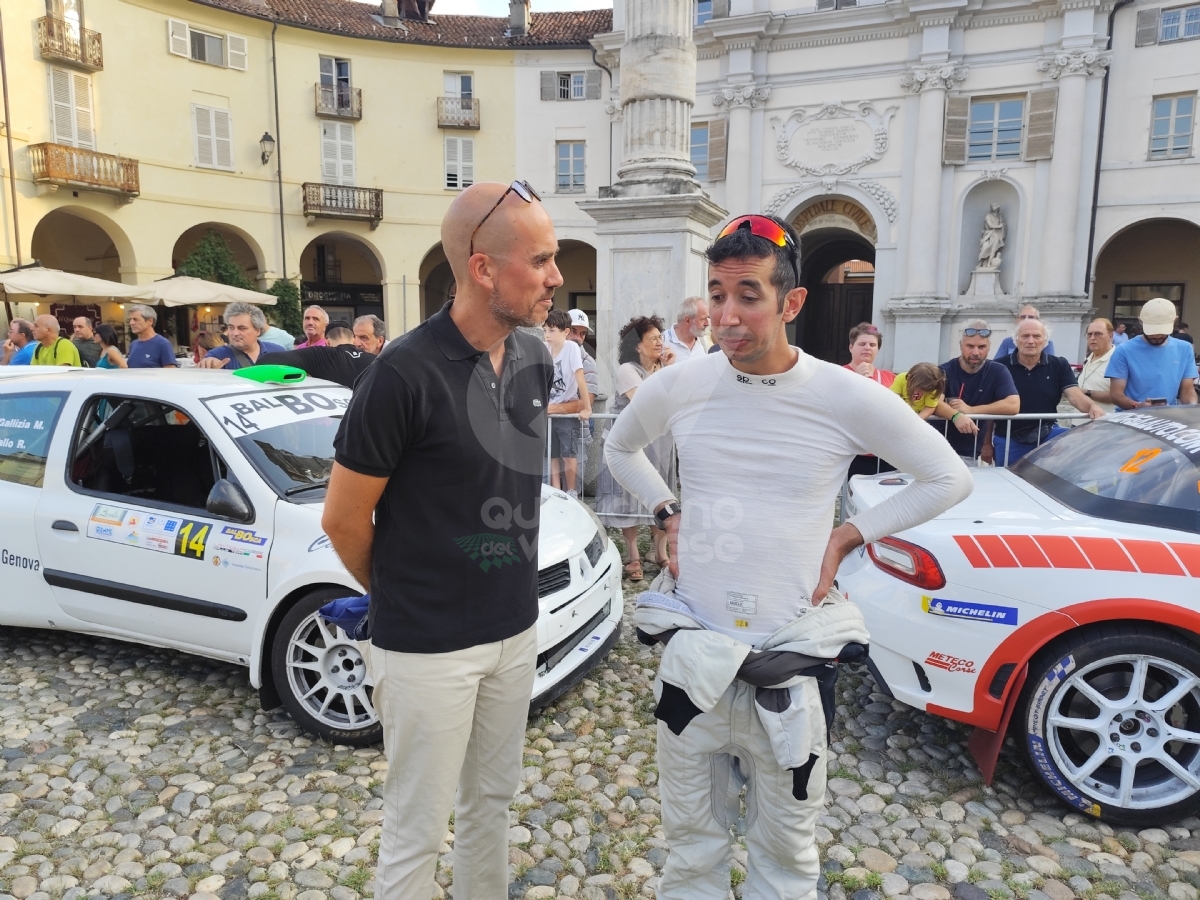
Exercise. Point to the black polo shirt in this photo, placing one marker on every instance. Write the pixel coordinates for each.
(1041, 388)
(455, 554)
(343, 364)
(990, 383)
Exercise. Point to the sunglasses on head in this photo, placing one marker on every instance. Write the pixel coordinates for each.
(763, 227)
(522, 189)
(981, 332)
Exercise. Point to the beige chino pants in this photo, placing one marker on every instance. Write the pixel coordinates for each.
(451, 721)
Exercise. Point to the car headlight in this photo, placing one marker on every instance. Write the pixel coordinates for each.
(599, 544)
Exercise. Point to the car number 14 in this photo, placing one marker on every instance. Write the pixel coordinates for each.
(190, 539)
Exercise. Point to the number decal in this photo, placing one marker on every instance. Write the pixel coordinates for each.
(1134, 465)
(190, 540)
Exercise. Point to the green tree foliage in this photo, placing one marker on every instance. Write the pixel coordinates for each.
(286, 313)
(212, 260)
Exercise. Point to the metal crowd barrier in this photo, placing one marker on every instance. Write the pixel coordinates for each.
(590, 437)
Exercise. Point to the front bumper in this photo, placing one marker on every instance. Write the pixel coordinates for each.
(598, 610)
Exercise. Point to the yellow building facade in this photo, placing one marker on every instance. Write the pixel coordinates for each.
(324, 147)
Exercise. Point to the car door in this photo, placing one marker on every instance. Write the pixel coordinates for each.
(29, 420)
(148, 559)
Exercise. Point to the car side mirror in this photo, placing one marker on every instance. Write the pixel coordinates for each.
(228, 501)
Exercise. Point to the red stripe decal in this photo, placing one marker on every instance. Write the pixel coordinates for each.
(971, 551)
(1189, 555)
(1152, 557)
(1026, 551)
(1062, 552)
(996, 550)
(1105, 553)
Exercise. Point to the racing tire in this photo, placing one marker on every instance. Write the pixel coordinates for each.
(1110, 717)
(321, 675)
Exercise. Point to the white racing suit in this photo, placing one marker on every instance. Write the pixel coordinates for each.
(718, 733)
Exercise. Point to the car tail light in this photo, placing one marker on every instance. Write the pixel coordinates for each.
(908, 562)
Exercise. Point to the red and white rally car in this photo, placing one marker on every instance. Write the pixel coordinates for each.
(1060, 603)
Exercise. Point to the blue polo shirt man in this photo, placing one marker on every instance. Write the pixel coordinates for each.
(1154, 368)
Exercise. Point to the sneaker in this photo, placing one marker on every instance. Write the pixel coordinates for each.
(574, 495)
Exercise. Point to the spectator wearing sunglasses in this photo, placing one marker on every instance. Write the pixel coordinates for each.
(1024, 314)
(764, 434)
(977, 385)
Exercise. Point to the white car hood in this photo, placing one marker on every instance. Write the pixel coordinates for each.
(998, 496)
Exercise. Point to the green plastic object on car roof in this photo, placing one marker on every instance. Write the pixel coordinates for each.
(272, 374)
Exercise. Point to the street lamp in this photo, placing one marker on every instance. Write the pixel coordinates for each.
(267, 143)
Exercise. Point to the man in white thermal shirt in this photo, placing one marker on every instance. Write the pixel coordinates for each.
(764, 435)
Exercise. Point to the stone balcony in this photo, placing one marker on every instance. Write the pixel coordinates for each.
(457, 112)
(336, 201)
(59, 165)
(64, 41)
(339, 102)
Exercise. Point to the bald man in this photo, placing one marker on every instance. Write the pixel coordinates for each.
(433, 505)
(52, 349)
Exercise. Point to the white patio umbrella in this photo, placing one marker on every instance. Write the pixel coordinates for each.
(183, 290)
(52, 282)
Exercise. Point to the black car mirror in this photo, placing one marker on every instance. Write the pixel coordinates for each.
(228, 501)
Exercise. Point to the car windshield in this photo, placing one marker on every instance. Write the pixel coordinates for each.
(287, 434)
(1131, 467)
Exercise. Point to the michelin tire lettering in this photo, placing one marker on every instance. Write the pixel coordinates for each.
(1038, 751)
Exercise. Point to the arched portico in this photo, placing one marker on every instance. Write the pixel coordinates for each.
(344, 275)
(1154, 257)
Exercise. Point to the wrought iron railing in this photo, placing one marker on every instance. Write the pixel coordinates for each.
(458, 112)
(339, 101)
(59, 164)
(335, 201)
(66, 41)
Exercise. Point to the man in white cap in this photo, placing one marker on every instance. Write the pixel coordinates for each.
(1154, 369)
(580, 327)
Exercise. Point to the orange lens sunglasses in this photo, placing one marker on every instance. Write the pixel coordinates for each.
(763, 227)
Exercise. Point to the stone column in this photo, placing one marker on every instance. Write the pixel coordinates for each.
(931, 83)
(739, 100)
(1071, 69)
(655, 221)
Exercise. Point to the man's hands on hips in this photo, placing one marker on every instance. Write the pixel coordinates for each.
(842, 540)
(671, 527)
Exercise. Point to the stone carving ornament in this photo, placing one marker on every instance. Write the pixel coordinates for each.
(880, 194)
(748, 94)
(1073, 62)
(941, 78)
(805, 116)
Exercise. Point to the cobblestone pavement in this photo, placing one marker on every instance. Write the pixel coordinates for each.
(131, 772)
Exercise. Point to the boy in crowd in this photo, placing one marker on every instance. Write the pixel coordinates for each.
(568, 394)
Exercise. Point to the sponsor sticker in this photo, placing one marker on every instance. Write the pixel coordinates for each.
(239, 556)
(321, 543)
(961, 609)
(1169, 431)
(161, 534)
(250, 413)
(949, 663)
(743, 604)
(244, 536)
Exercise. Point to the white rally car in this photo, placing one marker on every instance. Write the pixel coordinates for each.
(183, 509)
(1059, 603)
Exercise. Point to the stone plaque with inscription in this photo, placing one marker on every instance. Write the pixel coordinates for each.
(832, 139)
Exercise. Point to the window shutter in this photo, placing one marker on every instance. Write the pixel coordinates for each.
(1147, 27)
(467, 155)
(178, 40)
(716, 149)
(223, 138)
(549, 85)
(452, 163)
(202, 116)
(954, 134)
(85, 131)
(236, 50)
(345, 152)
(329, 153)
(1039, 136)
(592, 88)
(62, 110)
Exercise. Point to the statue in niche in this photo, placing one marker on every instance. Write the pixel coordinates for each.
(992, 239)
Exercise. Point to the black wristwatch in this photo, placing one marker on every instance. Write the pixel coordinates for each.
(670, 508)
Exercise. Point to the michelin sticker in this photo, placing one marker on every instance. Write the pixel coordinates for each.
(1038, 751)
(243, 414)
(978, 612)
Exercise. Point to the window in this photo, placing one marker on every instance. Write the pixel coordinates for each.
(459, 84)
(460, 163)
(570, 86)
(1129, 298)
(26, 426)
(700, 150)
(703, 11)
(144, 449)
(213, 48)
(995, 130)
(71, 109)
(335, 80)
(1179, 24)
(213, 137)
(1171, 128)
(69, 11)
(337, 153)
(570, 167)
(328, 268)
